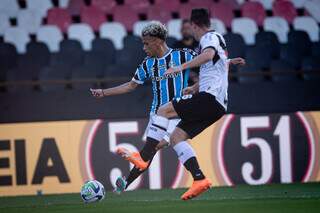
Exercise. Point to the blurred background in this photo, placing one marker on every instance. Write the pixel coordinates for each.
(53, 51)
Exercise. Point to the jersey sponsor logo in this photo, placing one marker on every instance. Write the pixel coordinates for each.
(159, 78)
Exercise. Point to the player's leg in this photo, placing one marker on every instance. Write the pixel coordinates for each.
(156, 132)
(122, 183)
(196, 115)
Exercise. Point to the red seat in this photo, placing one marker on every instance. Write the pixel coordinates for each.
(172, 6)
(185, 10)
(74, 7)
(222, 11)
(255, 11)
(105, 5)
(93, 16)
(140, 6)
(160, 15)
(59, 17)
(284, 9)
(234, 4)
(201, 4)
(125, 15)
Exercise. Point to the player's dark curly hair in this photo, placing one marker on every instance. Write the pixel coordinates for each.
(155, 29)
(200, 17)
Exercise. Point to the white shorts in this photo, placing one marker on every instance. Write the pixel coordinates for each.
(172, 124)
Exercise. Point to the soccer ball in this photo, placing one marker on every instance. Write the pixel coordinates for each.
(92, 191)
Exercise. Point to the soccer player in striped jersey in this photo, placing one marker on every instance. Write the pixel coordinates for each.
(205, 104)
(165, 88)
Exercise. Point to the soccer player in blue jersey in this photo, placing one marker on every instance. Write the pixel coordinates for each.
(206, 104)
(165, 88)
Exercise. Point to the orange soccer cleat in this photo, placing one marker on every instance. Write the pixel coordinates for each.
(133, 157)
(198, 187)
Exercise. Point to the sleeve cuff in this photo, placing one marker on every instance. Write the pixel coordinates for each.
(137, 81)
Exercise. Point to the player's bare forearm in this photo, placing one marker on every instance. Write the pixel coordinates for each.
(204, 57)
(118, 90)
(121, 89)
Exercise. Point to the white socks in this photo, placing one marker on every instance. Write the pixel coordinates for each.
(184, 151)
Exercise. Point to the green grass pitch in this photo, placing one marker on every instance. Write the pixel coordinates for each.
(288, 198)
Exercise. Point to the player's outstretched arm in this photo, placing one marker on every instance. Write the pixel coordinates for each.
(121, 89)
(204, 57)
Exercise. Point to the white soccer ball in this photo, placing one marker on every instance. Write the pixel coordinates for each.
(92, 191)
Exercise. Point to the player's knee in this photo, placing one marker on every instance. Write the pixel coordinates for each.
(173, 140)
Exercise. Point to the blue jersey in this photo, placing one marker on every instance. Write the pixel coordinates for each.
(165, 88)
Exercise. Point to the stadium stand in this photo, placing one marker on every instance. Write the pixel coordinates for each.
(285, 31)
(9, 57)
(218, 26)
(291, 55)
(130, 17)
(299, 3)
(60, 18)
(255, 11)
(259, 58)
(63, 3)
(313, 8)
(171, 6)
(74, 7)
(30, 20)
(281, 46)
(301, 41)
(70, 55)
(236, 45)
(174, 27)
(308, 25)
(284, 9)
(51, 36)
(115, 32)
(41, 6)
(4, 23)
(245, 27)
(10, 8)
(154, 13)
(82, 33)
(93, 16)
(267, 4)
(222, 11)
(138, 26)
(105, 5)
(277, 25)
(18, 37)
(140, 6)
(268, 42)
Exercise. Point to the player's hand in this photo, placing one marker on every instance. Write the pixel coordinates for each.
(172, 70)
(98, 93)
(188, 91)
(238, 61)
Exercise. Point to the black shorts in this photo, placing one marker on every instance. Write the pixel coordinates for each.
(197, 112)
